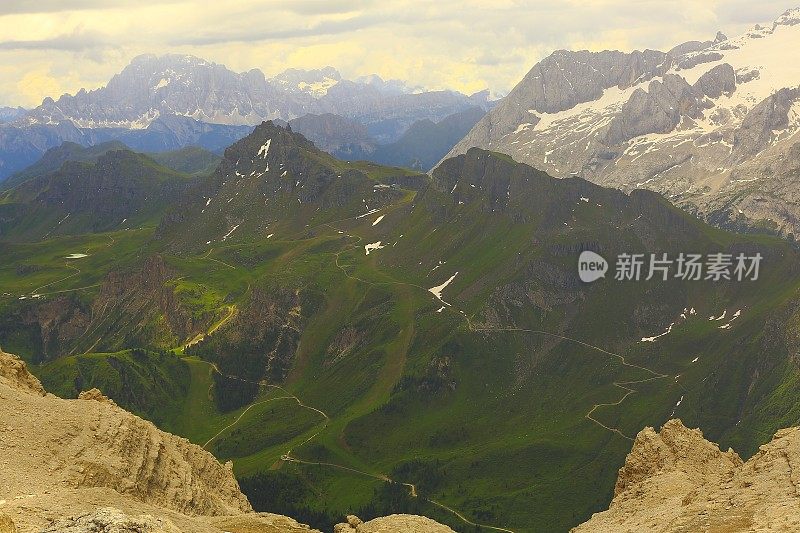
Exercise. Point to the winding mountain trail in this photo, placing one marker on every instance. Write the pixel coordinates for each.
(229, 426)
(200, 336)
(289, 457)
(77, 272)
(619, 384)
(589, 415)
(208, 253)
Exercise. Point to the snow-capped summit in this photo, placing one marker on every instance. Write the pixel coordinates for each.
(789, 18)
(313, 82)
(152, 86)
(704, 123)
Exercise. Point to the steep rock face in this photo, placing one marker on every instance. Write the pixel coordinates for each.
(717, 81)
(675, 480)
(560, 82)
(708, 124)
(14, 373)
(66, 461)
(657, 110)
(148, 313)
(96, 444)
(758, 127)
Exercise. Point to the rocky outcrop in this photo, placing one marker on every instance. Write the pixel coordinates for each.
(96, 395)
(14, 373)
(7, 525)
(68, 459)
(758, 128)
(146, 308)
(110, 520)
(396, 523)
(717, 81)
(675, 480)
(657, 110)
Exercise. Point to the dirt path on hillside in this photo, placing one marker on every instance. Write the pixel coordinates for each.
(625, 386)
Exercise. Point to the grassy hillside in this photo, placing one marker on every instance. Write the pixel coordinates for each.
(150, 384)
(293, 294)
(121, 189)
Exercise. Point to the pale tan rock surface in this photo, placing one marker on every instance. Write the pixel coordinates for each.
(396, 523)
(14, 372)
(7, 525)
(676, 481)
(74, 465)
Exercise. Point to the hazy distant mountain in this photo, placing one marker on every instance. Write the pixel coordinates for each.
(426, 142)
(339, 136)
(23, 145)
(710, 124)
(152, 86)
(9, 114)
(57, 156)
(420, 147)
(191, 160)
(180, 100)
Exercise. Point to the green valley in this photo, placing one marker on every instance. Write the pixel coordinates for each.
(361, 339)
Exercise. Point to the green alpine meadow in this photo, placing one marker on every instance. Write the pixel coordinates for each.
(347, 266)
(370, 340)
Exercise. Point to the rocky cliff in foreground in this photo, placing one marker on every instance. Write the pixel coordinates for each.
(675, 480)
(71, 464)
(88, 466)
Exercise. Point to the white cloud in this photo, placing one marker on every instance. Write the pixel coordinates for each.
(461, 44)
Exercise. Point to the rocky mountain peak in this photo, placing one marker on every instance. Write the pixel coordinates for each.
(674, 447)
(269, 142)
(790, 17)
(674, 480)
(707, 124)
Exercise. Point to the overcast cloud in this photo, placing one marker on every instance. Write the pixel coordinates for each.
(51, 47)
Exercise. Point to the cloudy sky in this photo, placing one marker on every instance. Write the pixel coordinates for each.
(50, 47)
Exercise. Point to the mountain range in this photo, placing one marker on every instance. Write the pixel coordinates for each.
(152, 86)
(712, 125)
(346, 332)
(420, 147)
(352, 334)
(162, 103)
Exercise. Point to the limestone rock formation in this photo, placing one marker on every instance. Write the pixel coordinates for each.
(14, 373)
(110, 520)
(675, 480)
(96, 395)
(7, 525)
(63, 463)
(396, 523)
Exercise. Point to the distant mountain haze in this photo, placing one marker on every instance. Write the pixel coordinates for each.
(160, 103)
